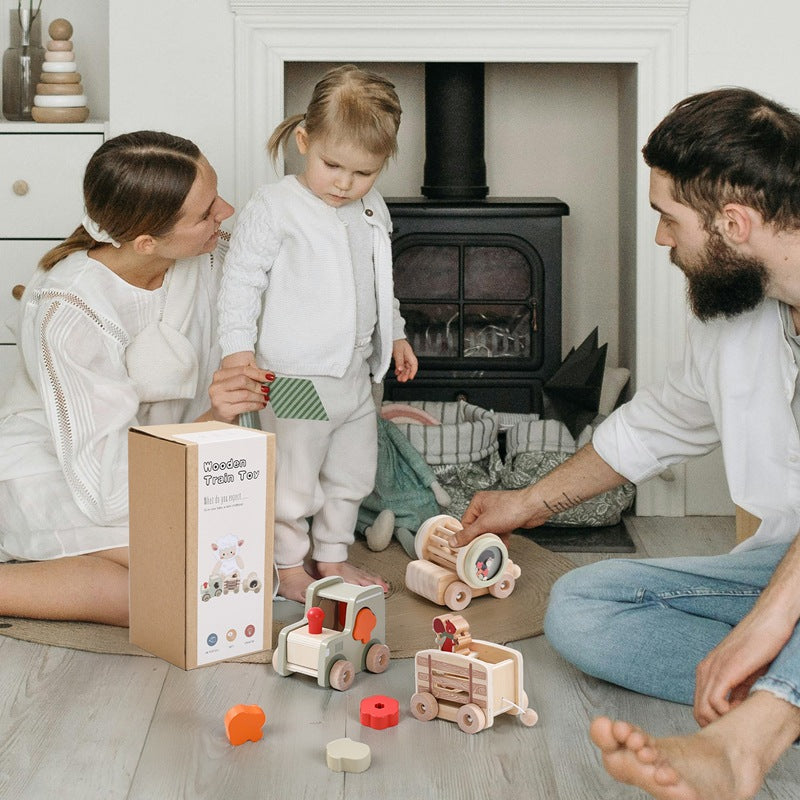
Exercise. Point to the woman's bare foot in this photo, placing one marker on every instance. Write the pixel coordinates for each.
(692, 767)
(293, 582)
(350, 573)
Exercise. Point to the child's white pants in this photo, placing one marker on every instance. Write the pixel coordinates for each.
(324, 469)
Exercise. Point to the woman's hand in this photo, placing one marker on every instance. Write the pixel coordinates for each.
(238, 389)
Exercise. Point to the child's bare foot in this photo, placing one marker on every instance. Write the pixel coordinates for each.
(692, 767)
(293, 582)
(350, 573)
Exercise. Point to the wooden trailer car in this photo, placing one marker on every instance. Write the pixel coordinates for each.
(470, 681)
(453, 576)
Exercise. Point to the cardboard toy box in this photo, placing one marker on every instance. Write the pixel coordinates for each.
(202, 499)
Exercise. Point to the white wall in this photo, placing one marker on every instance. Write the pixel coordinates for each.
(731, 43)
(737, 42)
(171, 67)
(171, 64)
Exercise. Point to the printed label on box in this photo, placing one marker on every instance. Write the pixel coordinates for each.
(231, 546)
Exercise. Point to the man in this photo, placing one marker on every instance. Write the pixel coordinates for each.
(716, 632)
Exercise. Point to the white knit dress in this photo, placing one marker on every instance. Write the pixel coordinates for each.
(97, 355)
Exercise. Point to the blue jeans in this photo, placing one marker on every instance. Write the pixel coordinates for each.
(646, 624)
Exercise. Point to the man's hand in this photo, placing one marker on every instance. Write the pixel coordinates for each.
(731, 668)
(581, 476)
(725, 675)
(499, 512)
(405, 362)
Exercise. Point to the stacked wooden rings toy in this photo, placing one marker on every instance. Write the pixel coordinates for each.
(59, 93)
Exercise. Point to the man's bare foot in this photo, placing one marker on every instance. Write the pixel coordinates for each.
(293, 582)
(350, 573)
(693, 767)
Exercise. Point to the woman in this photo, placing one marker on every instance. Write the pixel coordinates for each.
(116, 328)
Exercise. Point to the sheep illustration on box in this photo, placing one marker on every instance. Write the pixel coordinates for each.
(453, 576)
(226, 575)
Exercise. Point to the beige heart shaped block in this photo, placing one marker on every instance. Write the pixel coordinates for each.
(345, 755)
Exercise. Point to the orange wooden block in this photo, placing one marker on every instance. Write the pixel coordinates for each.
(243, 724)
(364, 625)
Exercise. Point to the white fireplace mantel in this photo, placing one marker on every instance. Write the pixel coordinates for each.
(649, 34)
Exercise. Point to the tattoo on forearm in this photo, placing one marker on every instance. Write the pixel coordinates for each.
(562, 503)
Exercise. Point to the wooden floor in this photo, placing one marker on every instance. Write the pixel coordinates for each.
(86, 726)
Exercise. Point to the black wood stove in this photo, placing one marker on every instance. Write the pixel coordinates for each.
(478, 278)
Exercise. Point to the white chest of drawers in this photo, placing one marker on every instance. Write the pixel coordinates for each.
(41, 203)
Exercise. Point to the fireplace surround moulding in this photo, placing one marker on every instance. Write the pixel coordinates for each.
(651, 35)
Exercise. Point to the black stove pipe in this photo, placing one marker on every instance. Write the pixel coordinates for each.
(455, 168)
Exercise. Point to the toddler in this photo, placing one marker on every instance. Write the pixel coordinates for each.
(307, 291)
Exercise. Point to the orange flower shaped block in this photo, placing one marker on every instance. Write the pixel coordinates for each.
(243, 724)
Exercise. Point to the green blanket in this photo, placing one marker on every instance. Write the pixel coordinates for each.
(402, 482)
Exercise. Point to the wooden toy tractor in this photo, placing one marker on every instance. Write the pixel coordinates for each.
(342, 633)
(453, 576)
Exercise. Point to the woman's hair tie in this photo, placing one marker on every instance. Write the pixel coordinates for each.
(96, 232)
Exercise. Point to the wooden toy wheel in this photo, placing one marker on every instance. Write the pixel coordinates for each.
(503, 587)
(470, 718)
(424, 531)
(424, 706)
(457, 596)
(377, 659)
(276, 662)
(529, 717)
(482, 562)
(341, 675)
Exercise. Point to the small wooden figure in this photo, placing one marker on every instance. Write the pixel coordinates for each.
(470, 687)
(453, 576)
(452, 633)
(345, 755)
(59, 94)
(244, 723)
(343, 634)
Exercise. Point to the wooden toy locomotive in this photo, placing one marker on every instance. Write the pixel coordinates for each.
(453, 576)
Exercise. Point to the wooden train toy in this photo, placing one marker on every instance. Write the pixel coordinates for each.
(468, 681)
(453, 576)
(342, 633)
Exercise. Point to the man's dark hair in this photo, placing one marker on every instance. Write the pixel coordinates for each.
(731, 146)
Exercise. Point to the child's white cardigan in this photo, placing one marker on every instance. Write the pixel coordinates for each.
(290, 250)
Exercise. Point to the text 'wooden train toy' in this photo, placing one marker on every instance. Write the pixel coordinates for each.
(452, 576)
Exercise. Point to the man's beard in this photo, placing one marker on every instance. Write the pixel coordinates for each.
(721, 282)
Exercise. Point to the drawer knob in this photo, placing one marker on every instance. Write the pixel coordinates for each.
(20, 187)
(17, 291)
